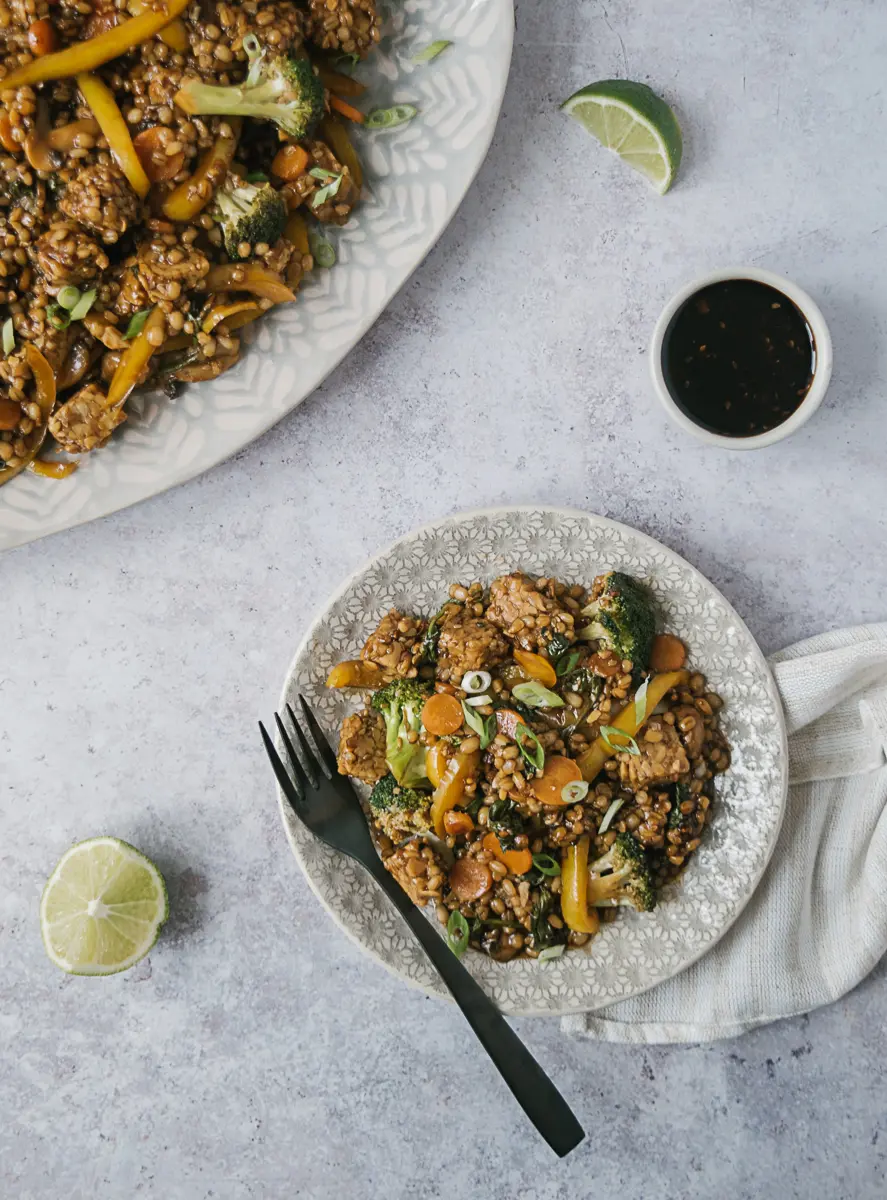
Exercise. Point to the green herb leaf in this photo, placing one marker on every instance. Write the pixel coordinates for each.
(490, 731)
(550, 952)
(68, 297)
(628, 746)
(573, 792)
(347, 60)
(83, 305)
(321, 173)
(536, 695)
(137, 323)
(546, 864)
(457, 933)
(428, 653)
(430, 52)
(389, 118)
(57, 317)
(534, 754)
(322, 251)
(640, 703)
(8, 336)
(567, 663)
(257, 177)
(609, 815)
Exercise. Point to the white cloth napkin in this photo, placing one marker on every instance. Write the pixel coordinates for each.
(817, 923)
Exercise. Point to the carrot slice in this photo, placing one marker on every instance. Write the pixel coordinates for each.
(469, 878)
(536, 667)
(559, 771)
(347, 110)
(668, 653)
(456, 823)
(290, 162)
(442, 714)
(517, 861)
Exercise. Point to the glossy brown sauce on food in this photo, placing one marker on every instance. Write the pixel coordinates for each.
(738, 358)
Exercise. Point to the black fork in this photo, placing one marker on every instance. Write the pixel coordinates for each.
(327, 804)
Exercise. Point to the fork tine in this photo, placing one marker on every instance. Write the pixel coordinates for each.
(321, 745)
(303, 769)
(290, 789)
(307, 757)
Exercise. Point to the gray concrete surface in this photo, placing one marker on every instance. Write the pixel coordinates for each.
(257, 1053)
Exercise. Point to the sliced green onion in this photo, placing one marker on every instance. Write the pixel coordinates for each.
(573, 792)
(640, 703)
(476, 681)
(550, 952)
(8, 336)
(630, 746)
(536, 695)
(430, 52)
(322, 251)
(57, 317)
(479, 701)
(68, 297)
(321, 173)
(473, 719)
(535, 753)
(567, 663)
(546, 864)
(327, 192)
(257, 177)
(457, 933)
(137, 323)
(389, 118)
(83, 305)
(609, 815)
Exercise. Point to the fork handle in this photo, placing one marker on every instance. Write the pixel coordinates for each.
(529, 1084)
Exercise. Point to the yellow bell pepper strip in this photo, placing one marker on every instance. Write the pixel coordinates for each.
(536, 667)
(591, 761)
(248, 277)
(436, 759)
(296, 232)
(135, 358)
(192, 196)
(332, 131)
(44, 396)
(174, 34)
(355, 672)
(86, 56)
(450, 790)
(52, 470)
(574, 889)
(222, 313)
(104, 108)
(243, 318)
(181, 341)
(342, 85)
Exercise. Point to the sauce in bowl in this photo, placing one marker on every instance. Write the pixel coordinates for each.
(738, 358)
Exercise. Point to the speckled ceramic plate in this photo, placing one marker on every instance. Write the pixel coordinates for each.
(640, 949)
(417, 176)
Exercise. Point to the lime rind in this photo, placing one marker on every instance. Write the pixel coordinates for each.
(636, 124)
(135, 905)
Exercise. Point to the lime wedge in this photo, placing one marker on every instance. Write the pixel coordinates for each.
(102, 908)
(630, 119)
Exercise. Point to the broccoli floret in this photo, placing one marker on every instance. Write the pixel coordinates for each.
(621, 876)
(248, 213)
(400, 811)
(623, 619)
(277, 88)
(400, 703)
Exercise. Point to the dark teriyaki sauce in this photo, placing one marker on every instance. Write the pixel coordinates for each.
(738, 357)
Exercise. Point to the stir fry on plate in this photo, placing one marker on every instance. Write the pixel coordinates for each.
(538, 757)
(162, 163)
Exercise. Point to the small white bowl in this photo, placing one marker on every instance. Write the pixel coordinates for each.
(821, 374)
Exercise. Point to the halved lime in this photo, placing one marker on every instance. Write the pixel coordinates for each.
(632, 121)
(102, 908)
